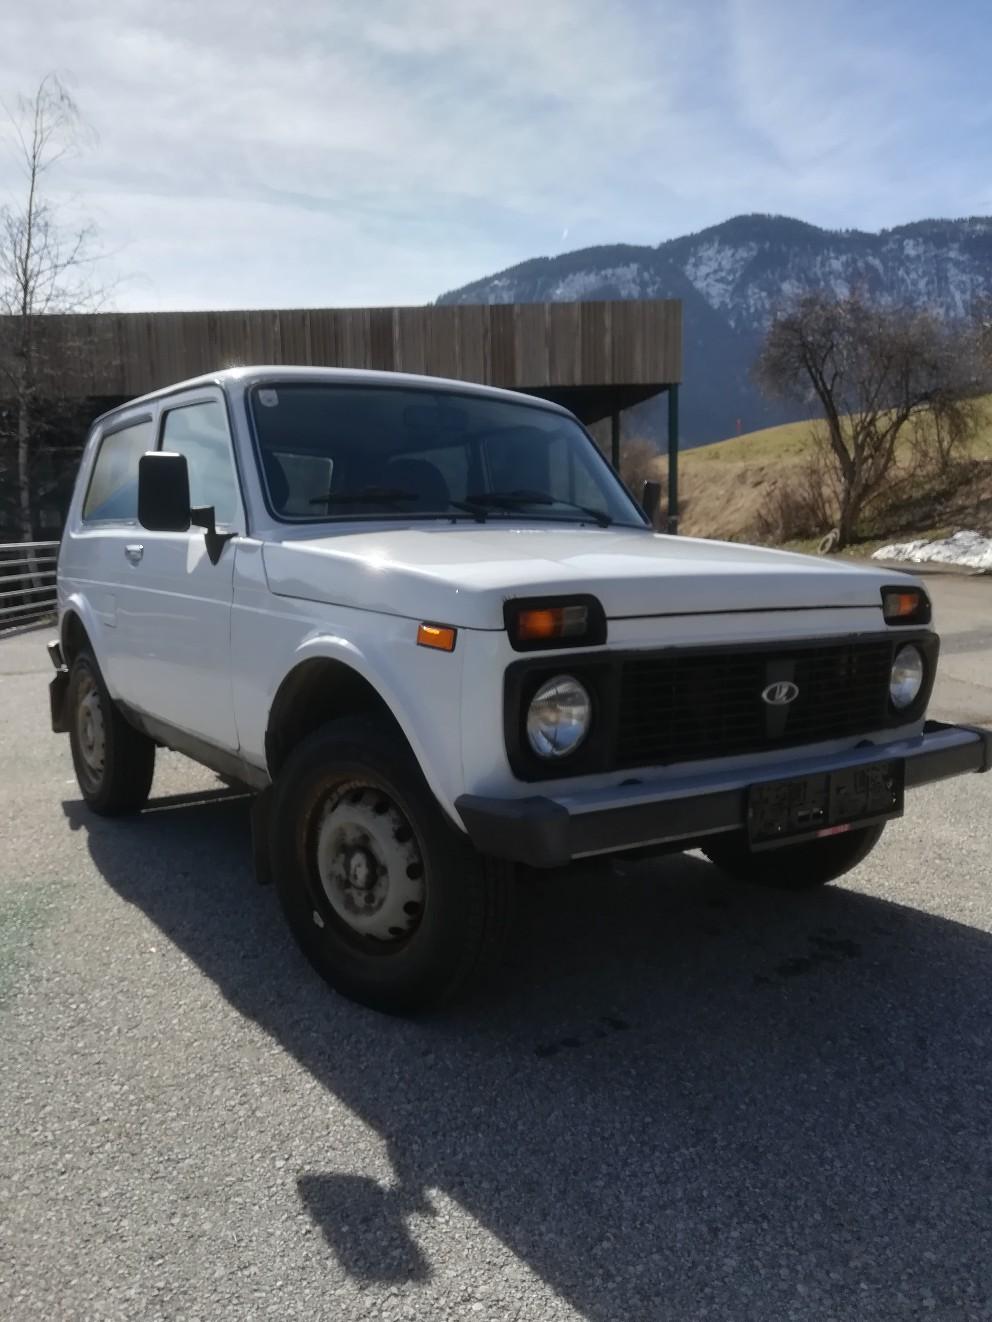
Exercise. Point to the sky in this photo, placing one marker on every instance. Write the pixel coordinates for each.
(352, 152)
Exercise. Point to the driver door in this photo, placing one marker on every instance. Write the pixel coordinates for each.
(179, 604)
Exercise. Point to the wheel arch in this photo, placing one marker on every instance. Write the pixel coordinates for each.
(319, 689)
(82, 625)
(75, 633)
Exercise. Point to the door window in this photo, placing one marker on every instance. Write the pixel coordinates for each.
(113, 489)
(199, 431)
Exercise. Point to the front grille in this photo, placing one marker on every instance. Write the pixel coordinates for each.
(679, 707)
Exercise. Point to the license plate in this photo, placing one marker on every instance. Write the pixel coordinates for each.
(786, 811)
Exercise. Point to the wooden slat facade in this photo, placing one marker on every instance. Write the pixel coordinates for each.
(535, 346)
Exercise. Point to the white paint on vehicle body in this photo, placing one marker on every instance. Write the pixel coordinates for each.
(463, 573)
(208, 646)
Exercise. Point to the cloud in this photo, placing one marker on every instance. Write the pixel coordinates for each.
(859, 109)
(354, 153)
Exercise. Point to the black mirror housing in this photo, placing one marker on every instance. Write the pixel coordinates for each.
(651, 501)
(163, 492)
(204, 516)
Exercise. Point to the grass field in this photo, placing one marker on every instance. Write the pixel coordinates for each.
(726, 486)
(790, 443)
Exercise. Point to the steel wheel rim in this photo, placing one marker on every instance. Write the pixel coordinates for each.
(369, 866)
(91, 729)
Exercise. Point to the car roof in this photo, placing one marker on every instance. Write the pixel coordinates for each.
(280, 372)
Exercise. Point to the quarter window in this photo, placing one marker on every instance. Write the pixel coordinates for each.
(199, 431)
(113, 489)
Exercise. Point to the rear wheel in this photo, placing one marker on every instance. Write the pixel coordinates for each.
(114, 763)
(793, 867)
(387, 899)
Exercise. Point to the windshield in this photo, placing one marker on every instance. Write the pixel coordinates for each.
(346, 452)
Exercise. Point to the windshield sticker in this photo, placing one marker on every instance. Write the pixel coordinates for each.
(268, 398)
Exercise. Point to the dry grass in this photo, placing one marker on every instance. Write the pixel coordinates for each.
(728, 489)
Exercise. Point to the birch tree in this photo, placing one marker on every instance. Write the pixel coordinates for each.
(46, 267)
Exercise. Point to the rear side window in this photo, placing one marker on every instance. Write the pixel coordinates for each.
(199, 431)
(113, 489)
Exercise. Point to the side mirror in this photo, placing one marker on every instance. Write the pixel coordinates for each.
(163, 492)
(204, 516)
(651, 501)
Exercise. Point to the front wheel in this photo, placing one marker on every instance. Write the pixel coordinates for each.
(387, 899)
(793, 867)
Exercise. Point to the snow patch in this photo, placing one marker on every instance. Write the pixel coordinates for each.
(627, 280)
(714, 268)
(969, 549)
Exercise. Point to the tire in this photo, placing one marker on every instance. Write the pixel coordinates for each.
(793, 867)
(114, 763)
(387, 899)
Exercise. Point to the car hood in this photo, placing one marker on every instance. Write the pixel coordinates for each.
(462, 575)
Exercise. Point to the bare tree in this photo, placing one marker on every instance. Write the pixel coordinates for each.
(871, 371)
(981, 319)
(46, 265)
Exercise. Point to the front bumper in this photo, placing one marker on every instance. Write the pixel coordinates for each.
(546, 832)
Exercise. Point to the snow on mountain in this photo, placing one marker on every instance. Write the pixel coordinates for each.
(733, 277)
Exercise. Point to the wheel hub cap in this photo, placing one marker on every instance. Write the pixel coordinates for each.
(369, 863)
(91, 730)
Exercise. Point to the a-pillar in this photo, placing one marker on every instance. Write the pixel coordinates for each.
(673, 459)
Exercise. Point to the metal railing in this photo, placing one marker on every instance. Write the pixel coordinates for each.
(27, 582)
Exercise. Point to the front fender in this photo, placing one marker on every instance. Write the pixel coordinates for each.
(420, 686)
(422, 689)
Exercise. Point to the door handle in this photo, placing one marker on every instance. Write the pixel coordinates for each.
(134, 551)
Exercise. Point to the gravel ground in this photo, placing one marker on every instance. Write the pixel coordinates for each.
(681, 1099)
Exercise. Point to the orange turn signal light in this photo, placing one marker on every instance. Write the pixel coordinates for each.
(536, 623)
(438, 636)
(551, 622)
(902, 603)
(909, 606)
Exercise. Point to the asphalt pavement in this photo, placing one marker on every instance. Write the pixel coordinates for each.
(681, 1099)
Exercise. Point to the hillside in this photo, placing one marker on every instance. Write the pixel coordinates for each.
(731, 279)
(729, 489)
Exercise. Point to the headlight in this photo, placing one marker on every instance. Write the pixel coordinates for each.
(558, 717)
(907, 677)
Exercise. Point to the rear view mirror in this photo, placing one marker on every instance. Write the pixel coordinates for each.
(163, 492)
(651, 501)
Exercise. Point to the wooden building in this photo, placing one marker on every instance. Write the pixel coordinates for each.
(595, 358)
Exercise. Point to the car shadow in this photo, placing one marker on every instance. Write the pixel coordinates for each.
(681, 1098)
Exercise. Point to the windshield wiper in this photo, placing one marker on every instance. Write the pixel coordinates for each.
(478, 505)
(393, 496)
(367, 496)
(520, 499)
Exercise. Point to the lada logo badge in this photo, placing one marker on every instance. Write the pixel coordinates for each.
(781, 693)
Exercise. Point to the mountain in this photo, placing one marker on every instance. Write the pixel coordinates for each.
(731, 279)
